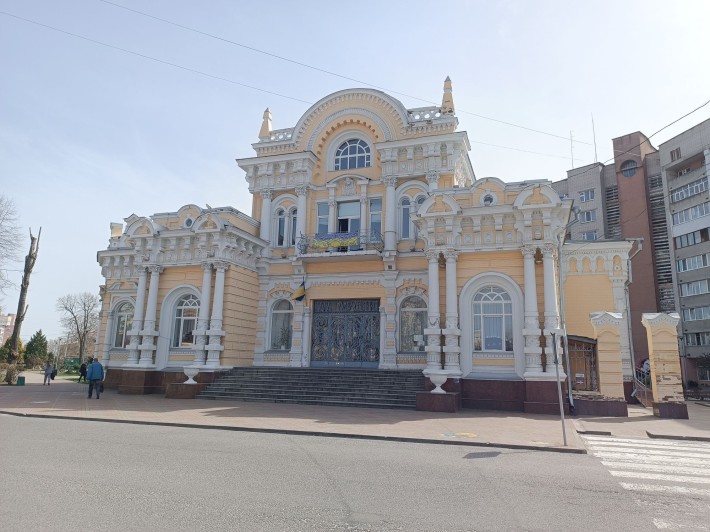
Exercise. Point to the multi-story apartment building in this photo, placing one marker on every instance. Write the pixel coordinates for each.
(7, 324)
(685, 160)
(625, 200)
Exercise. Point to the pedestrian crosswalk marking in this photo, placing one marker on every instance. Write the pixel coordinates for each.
(654, 467)
(633, 457)
(682, 490)
(656, 445)
(655, 476)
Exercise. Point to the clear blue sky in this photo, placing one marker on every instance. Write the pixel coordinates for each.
(91, 134)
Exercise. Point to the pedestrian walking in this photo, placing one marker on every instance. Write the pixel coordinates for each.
(48, 374)
(82, 372)
(95, 374)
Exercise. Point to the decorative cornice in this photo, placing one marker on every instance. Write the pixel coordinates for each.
(660, 318)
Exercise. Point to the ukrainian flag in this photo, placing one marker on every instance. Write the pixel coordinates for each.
(300, 292)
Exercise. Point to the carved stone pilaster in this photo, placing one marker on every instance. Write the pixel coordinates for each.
(389, 180)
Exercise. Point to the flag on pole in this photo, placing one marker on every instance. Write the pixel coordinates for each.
(300, 292)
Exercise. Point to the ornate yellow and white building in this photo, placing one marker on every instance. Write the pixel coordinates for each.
(408, 262)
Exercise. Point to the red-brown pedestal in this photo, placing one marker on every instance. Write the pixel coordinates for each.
(183, 391)
(670, 410)
(438, 402)
(541, 397)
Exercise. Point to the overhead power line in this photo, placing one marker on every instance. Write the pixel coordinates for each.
(331, 73)
(221, 78)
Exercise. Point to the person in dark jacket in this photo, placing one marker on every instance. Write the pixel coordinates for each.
(82, 372)
(95, 374)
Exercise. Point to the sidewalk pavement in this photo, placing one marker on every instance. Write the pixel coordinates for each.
(65, 399)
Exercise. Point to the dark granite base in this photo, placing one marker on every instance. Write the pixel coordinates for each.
(438, 402)
(670, 410)
(541, 397)
(600, 407)
(493, 394)
(143, 382)
(183, 391)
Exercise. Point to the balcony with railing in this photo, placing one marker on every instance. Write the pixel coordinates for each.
(348, 244)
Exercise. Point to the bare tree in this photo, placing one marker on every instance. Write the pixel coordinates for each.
(22, 307)
(9, 239)
(80, 317)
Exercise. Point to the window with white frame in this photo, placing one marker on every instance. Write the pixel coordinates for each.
(376, 219)
(589, 235)
(691, 189)
(587, 216)
(586, 195)
(353, 153)
(407, 230)
(185, 322)
(412, 322)
(285, 227)
(492, 320)
(691, 239)
(123, 319)
(696, 339)
(696, 313)
(694, 288)
(691, 213)
(693, 263)
(322, 224)
(281, 326)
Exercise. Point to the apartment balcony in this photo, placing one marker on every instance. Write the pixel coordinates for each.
(345, 246)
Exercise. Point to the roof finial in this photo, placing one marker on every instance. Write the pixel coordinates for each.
(265, 130)
(447, 102)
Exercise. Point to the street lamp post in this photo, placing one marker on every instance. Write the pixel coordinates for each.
(559, 387)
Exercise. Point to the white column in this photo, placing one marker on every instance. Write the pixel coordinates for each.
(531, 331)
(452, 351)
(552, 313)
(265, 231)
(108, 337)
(138, 313)
(390, 213)
(149, 332)
(332, 204)
(432, 178)
(306, 353)
(364, 229)
(433, 330)
(216, 333)
(203, 318)
(302, 192)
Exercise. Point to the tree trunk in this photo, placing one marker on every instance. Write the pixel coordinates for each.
(30, 260)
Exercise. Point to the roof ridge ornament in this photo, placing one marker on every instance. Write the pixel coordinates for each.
(447, 102)
(265, 130)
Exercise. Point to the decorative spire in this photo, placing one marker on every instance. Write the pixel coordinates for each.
(447, 102)
(265, 130)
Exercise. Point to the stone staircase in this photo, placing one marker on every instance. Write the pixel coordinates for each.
(315, 386)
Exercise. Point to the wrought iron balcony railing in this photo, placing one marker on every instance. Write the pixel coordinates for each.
(339, 242)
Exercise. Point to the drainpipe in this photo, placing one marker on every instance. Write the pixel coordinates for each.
(639, 241)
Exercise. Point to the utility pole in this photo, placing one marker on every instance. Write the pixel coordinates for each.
(559, 387)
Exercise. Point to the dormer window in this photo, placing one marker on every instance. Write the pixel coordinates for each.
(353, 153)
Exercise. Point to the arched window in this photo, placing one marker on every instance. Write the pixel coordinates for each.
(353, 153)
(405, 224)
(407, 229)
(124, 318)
(281, 315)
(492, 320)
(185, 321)
(412, 322)
(285, 228)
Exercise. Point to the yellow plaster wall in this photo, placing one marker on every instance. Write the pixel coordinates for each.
(666, 379)
(172, 277)
(471, 264)
(317, 268)
(611, 377)
(410, 264)
(585, 294)
(241, 300)
(344, 291)
(493, 362)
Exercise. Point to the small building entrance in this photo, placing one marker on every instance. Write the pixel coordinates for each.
(346, 333)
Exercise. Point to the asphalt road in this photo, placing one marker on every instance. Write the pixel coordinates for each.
(79, 475)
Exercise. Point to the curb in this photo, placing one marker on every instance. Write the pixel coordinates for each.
(402, 439)
(594, 432)
(680, 438)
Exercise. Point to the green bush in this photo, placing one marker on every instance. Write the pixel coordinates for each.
(11, 373)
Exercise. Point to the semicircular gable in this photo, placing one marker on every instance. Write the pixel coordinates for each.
(439, 204)
(142, 226)
(208, 222)
(538, 195)
(380, 108)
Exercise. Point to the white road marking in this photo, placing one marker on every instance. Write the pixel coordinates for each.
(654, 467)
(682, 490)
(656, 476)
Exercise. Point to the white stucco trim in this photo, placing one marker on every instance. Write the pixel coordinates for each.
(165, 323)
(466, 325)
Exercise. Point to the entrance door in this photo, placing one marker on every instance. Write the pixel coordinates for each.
(346, 333)
(583, 364)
